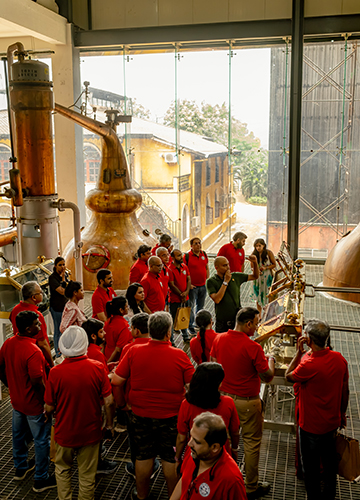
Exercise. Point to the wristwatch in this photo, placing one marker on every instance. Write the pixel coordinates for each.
(224, 283)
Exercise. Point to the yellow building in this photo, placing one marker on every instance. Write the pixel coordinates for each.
(185, 194)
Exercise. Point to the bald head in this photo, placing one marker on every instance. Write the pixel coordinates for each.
(155, 264)
(221, 265)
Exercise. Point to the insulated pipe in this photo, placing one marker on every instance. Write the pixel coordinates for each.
(18, 46)
(61, 205)
(8, 237)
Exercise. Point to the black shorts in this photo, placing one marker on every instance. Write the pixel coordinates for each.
(154, 436)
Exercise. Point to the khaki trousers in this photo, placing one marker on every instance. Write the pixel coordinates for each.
(251, 423)
(87, 460)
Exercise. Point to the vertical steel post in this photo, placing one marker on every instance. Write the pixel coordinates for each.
(297, 36)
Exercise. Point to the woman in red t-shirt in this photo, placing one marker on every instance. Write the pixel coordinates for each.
(200, 346)
(117, 331)
(204, 395)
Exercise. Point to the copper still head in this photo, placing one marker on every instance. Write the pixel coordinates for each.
(113, 233)
(342, 266)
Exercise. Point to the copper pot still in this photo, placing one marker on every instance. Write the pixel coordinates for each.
(113, 233)
(342, 267)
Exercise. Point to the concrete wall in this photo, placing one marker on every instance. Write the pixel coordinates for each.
(107, 14)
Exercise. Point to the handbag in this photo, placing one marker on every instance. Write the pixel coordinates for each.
(348, 455)
(182, 318)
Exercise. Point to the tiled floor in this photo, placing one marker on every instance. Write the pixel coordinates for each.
(277, 455)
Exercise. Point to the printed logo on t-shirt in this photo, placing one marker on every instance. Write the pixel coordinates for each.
(160, 284)
(203, 258)
(184, 272)
(204, 490)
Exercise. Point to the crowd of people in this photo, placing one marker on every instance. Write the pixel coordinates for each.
(120, 370)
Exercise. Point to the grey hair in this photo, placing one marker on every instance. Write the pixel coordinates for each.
(164, 237)
(161, 249)
(318, 331)
(28, 289)
(159, 325)
(215, 425)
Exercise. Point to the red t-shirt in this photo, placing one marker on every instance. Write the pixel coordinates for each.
(226, 409)
(23, 360)
(76, 388)
(117, 334)
(179, 276)
(157, 373)
(139, 341)
(23, 306)
(196, 349)
(94, 352)
(322, 376)
(235, 256)
(153, 290)
(242, 360)
(165, 277)
(99, 299)
(197, 265)
(221, 481)
(137, 271)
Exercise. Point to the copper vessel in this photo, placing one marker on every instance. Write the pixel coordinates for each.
(113, 233)
(342, 267)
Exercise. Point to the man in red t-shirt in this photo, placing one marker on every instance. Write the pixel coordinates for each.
(180, 284)
(245, 364)
(164, 241)
(74, 391)
(140, 267)
(22, 369)
(163, 254)
(32, 295)
(198, 264)
(157, 373)
(323, 381)
(209, 471)
(234, 252)
(102, 294)
(96, 336)
(153, 287)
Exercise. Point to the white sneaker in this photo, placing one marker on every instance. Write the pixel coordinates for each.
(59, 360)
(120, 428)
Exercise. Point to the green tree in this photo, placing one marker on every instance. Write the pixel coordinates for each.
(253, 173)
(213, 122)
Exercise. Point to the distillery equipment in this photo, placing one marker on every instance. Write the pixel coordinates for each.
(342, 268)
(113, 234)
(32, 104)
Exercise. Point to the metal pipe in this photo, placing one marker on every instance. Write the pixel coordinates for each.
(61, 205)
(7, 237)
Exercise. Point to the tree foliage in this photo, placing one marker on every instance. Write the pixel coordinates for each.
(253, 174)
(212, 122)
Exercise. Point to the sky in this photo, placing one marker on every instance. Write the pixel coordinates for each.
(202, 76)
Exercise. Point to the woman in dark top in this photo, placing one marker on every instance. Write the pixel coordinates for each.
(57, 284)
(135, 297)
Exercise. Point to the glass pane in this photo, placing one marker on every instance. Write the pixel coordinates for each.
(278, 146)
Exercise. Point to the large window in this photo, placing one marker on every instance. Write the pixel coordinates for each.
(5, 154)
(92, 160)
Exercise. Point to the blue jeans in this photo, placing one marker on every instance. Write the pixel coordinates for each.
(174, 306)
(197, 298)
(56, 316)
(40, 431)
(317, 450)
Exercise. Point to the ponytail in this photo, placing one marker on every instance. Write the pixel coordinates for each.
(113, 306)
(203, 319)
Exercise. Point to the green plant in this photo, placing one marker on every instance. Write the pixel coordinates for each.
(257, 200)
